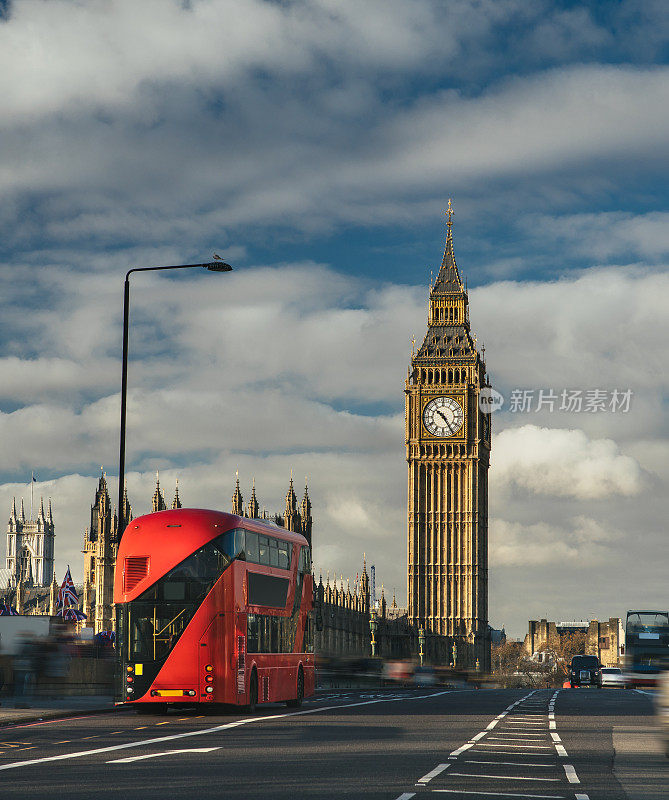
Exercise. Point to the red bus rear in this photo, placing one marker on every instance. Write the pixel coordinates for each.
(213, 608)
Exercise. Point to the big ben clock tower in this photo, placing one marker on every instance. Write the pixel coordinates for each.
(448, 452)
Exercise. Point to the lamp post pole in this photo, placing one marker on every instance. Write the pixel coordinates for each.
(212, 266)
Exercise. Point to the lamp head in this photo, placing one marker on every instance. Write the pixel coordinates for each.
(218, 266)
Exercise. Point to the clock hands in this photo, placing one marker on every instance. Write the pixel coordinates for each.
(446, 422)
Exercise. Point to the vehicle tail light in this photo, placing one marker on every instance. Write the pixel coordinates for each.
(209, 689)
(129, 679)
(209, 668)
(209, 678)
(129, 689)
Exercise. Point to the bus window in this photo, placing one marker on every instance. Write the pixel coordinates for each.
(252, 547)
(284, 558)
(239, 544)
(252, 634)
(305, 561)
(263, 550)
(273, 553)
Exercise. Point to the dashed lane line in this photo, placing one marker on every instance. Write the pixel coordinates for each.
(432, 774)
(570, 772)
(130, 759)
(561, 751)
(406, 796)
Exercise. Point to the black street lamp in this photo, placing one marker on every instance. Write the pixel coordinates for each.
(212, 266)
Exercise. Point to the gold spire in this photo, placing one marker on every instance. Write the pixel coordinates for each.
(450, 213)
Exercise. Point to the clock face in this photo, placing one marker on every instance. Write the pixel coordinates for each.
(443, 416)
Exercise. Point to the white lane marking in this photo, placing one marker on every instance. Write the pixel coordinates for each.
(572, 777)
(551, 716)
(205, 731)
(164, 753)
(502, 715)
(581, 797)
(433, 774)
(478, 736)
(531, 746)
(406, 796)
(508, 753)
(561, 751)
(501, 794)
(520, 733)
(552, 725)
(492, 725)
(555, 737)
(513, 738)
(500, 777)
(462, 749)
(507, 763)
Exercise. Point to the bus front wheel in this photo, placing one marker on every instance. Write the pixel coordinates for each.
(253, 692)
(297, 702)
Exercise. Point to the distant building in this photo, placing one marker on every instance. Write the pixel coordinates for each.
(28, 582)
(606, 640)
(30, 546)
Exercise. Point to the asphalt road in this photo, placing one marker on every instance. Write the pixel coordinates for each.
(458, 744)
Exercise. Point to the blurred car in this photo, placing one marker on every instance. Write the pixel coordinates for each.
(613, 676)
(585, 671)
(424, 676)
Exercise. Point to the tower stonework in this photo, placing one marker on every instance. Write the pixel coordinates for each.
(448, 453)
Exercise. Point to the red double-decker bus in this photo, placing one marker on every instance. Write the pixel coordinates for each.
(212, 608)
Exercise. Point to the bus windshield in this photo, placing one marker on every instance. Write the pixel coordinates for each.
(150, 626)
(640, 622)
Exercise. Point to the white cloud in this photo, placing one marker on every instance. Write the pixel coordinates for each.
(581, 544)
(564, 463)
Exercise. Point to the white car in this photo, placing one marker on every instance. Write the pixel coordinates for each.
(613, 676)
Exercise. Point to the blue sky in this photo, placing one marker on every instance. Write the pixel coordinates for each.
(314, 145)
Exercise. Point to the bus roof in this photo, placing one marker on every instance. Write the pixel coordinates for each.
(165, 538)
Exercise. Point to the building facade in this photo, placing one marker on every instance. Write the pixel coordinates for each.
(606, 640)
(448, 454)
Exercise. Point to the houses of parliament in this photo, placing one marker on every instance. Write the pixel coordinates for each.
(447, 441)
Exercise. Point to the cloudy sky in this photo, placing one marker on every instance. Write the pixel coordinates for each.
(314, 144)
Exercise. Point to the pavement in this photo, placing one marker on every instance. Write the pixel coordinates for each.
(15, 710)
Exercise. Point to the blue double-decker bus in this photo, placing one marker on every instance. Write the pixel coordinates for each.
(646, 646)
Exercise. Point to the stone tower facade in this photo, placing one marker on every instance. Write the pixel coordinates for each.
(30, 547)
(100, 546)
(448, 453)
